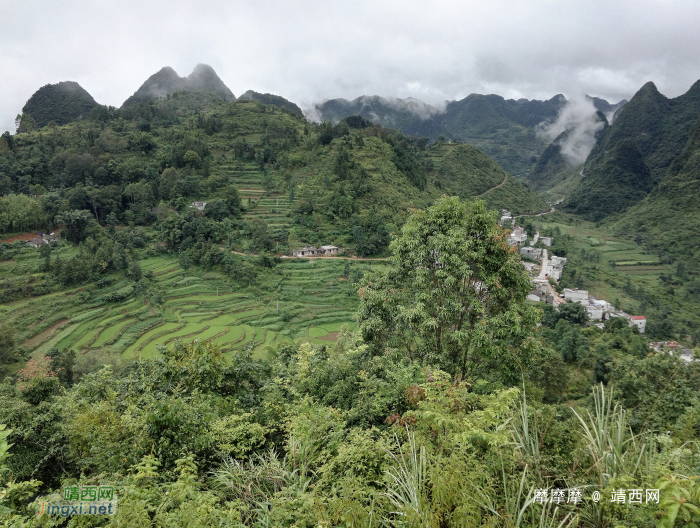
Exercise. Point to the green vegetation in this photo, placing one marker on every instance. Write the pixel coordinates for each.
(370, 430)
(170, 350)
(667, 220)
(274, 100)
(261, 170)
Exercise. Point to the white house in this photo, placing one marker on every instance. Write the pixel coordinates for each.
(41, 240)
(594, 310)
(306, 251)
(199, 205)
(577, 296)
(639, 321)
(517, 237)
(547, 241)
(531, 252)
(311, 251)
(329, 250)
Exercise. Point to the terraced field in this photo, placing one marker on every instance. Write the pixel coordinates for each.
(274, 207)
(298, 301)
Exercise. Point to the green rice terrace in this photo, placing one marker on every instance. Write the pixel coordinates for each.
(299, 300)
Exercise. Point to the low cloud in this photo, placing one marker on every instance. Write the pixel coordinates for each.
(415, 106)
(578, 119)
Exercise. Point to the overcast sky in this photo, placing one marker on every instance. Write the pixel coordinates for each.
(308, 51)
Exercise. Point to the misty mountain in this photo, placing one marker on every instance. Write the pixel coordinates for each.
(609, 109)
(274, 100)
(557, 169)
(634, 154)
(63, 103)
(166, 81)
(503, 128)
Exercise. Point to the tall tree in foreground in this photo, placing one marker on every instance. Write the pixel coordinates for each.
(454, 296)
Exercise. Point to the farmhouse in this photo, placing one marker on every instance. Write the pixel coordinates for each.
(306, 251)
(595, 310)
(41, 240)
(555, 267)
(330, 250)
(577, 296)
(311, 251)
(640, 322)
(199, 205)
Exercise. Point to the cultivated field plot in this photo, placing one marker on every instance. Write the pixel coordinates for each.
(298, 301)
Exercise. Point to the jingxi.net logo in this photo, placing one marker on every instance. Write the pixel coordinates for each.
(82, 500)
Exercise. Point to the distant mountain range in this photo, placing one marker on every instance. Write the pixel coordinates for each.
(508, 130)
(634, 163)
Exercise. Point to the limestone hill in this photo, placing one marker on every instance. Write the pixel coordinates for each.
(166, 81)
(62, 103)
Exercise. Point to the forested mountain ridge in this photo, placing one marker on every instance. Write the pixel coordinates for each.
(355, 180)
(634, 154)
(166, 81)
(508, 130)
(504, 129)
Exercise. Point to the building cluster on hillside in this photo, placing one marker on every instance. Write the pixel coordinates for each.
(600, 310)
(41, 240)
(673, 348)
(311, 251)
(551, 268)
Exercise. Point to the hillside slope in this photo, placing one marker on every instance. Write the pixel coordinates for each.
(503, 128)
(274, 100)
(668, 219)
(63, 103)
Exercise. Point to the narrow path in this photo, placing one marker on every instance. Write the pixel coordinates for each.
(538, 214)
(311, 258)
(505, 178)
(545, 261)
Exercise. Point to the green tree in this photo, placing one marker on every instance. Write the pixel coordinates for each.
(76, 224)
(185, 262)
(293, 240)
(454, 295)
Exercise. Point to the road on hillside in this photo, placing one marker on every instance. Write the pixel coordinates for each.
(545, 261)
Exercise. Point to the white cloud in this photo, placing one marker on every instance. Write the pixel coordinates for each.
(578, 119)
(311, 50)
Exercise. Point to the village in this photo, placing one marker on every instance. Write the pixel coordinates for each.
(546, 270)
